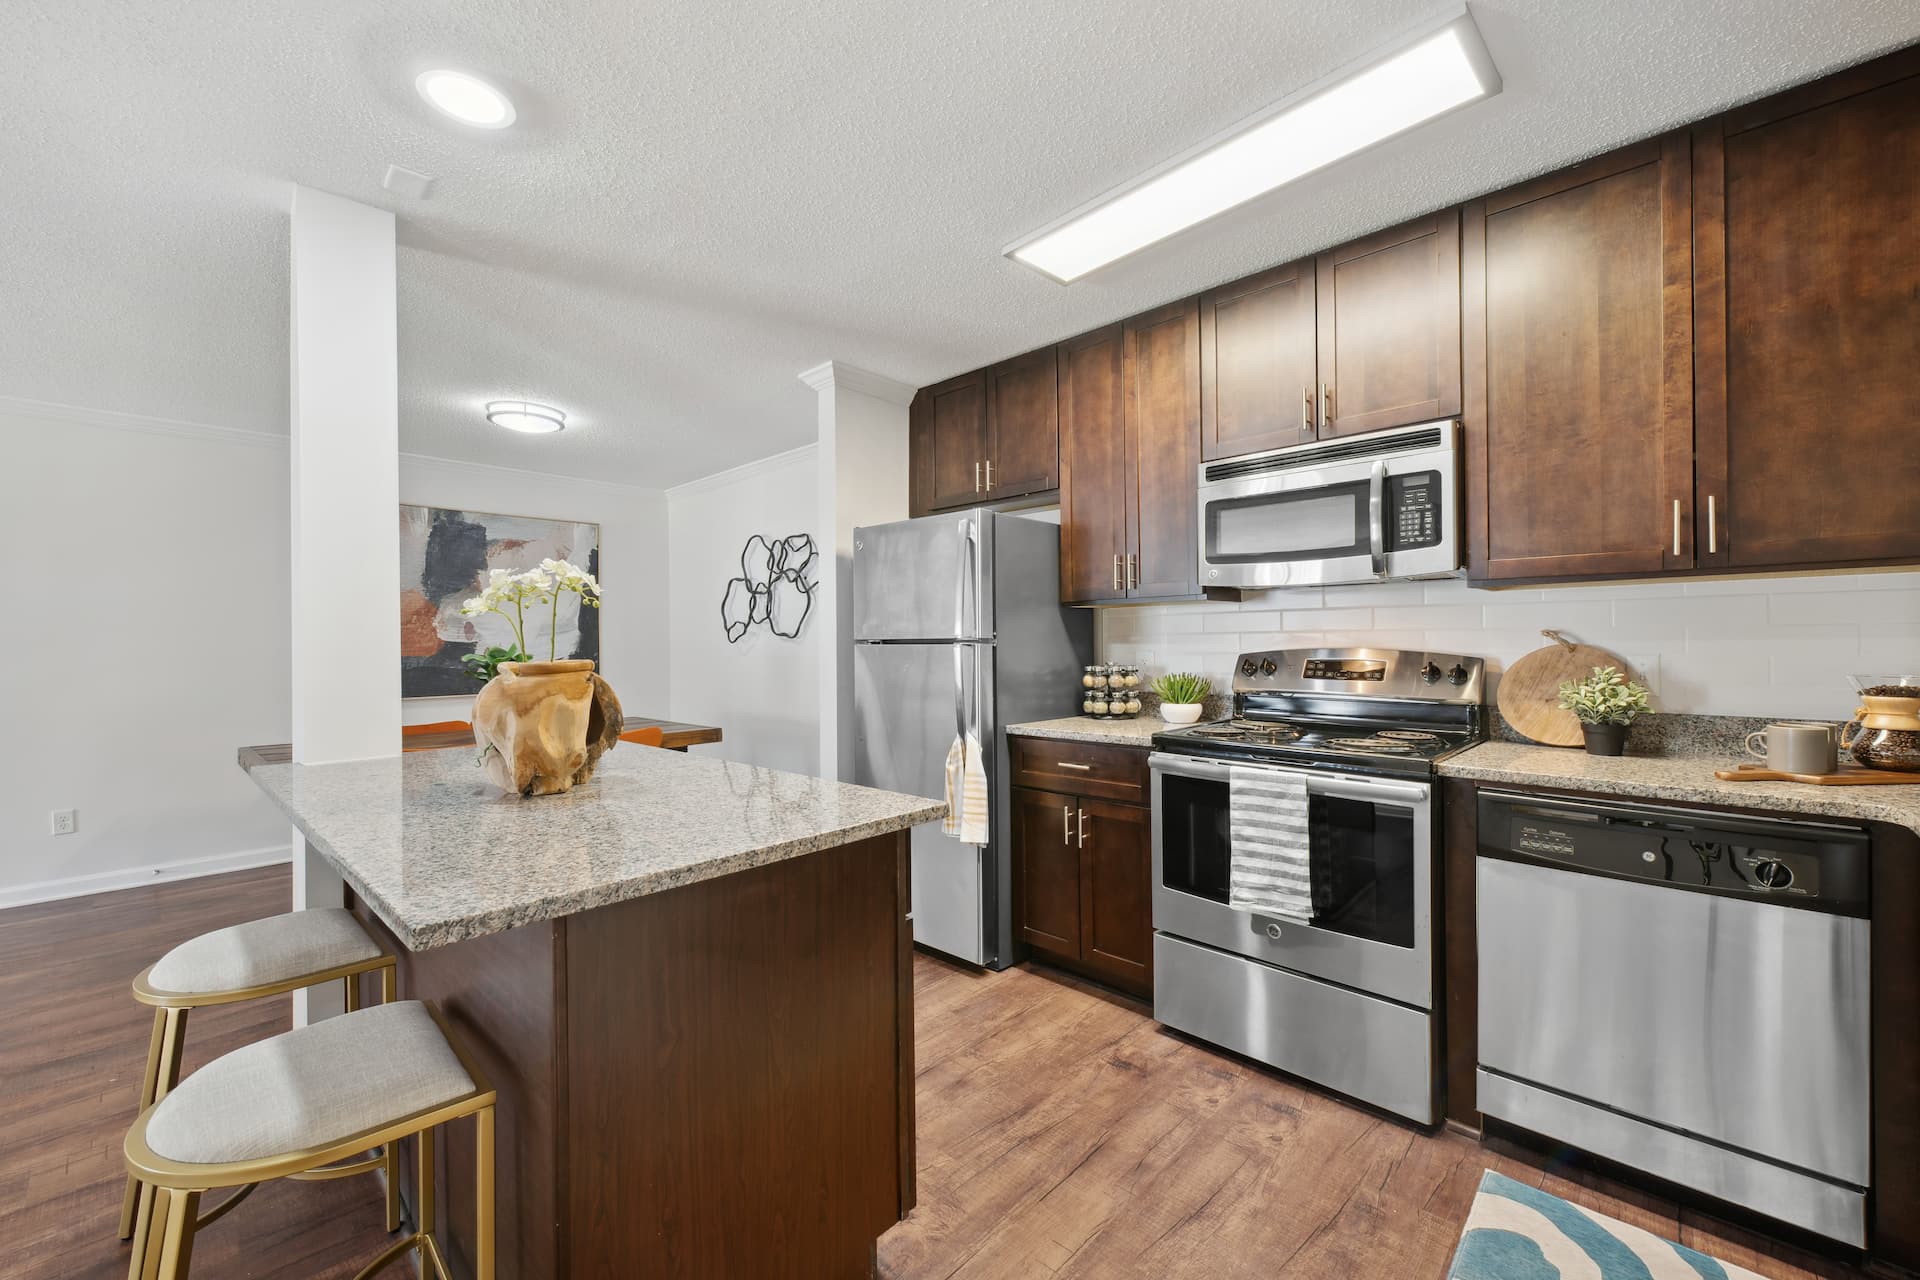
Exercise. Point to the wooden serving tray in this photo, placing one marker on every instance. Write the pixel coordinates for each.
(1849, 776)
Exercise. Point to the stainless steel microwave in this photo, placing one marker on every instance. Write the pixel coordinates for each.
(1372, 508)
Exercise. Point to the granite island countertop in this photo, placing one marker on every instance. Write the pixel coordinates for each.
(1137, 732)
(1685, 778)
(441, 856)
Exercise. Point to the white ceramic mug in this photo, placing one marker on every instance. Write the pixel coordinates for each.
(1797, 746)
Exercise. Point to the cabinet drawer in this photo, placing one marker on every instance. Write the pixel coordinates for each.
(1080, 768)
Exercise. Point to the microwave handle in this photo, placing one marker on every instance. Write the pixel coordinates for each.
(1377, 517)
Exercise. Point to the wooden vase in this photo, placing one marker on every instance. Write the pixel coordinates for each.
(542, 726)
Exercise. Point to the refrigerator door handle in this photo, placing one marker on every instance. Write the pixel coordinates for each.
(968, 553)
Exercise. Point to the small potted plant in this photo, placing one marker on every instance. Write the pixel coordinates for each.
(1182, 696)
(1605, 703)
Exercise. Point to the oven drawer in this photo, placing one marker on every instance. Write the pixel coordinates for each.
(1373, 1050)
(1080, 768)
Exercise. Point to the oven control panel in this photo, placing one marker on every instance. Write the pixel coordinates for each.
(1344, 669)
(1413, 511)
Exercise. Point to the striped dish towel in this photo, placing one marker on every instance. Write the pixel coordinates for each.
(1270, 864)
(966, 792)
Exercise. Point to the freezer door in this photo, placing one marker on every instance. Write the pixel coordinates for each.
(904, 698)
(907, 578)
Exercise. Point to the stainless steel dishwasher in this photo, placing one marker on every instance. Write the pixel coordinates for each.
(1684, 992)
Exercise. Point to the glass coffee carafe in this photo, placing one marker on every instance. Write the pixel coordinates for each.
(1885, 732)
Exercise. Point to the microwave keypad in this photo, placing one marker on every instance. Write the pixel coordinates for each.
(1413, 506)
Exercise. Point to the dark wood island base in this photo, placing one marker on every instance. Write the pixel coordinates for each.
(710, 1081)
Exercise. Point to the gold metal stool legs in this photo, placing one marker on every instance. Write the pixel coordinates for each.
(163, 1072)
(165, 1051)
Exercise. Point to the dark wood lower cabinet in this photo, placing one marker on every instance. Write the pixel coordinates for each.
(1084, 869)
(715, 1080)
(1116, 893)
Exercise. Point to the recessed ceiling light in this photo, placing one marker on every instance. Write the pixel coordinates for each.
(524, 415)
(465, 97)
(1441, 66)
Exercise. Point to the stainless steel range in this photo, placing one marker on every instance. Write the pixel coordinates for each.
(1345, 997)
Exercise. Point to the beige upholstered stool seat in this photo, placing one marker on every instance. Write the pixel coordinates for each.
(310, 1087)
(265, 953)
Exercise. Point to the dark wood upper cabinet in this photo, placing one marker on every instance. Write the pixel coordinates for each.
(1258, 377)
(1578, 371)
(948, 445)
(1045, 831)
(1808, 318)
(1023, 425)
(1093, 467)
(1116, 893)
(1389, 316)
(1162, 359)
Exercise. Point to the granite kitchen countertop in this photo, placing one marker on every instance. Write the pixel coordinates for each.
(1687, 778)
(1137, 732)
(440, 855)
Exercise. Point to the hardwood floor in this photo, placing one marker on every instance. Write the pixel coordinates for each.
(1061, 1133)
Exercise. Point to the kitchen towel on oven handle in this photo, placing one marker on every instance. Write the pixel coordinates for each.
(1270, 863)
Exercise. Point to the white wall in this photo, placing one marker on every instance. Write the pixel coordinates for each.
(148, 638)
(1772, 646)
(763, 692)
(151, 634)
(634, 650)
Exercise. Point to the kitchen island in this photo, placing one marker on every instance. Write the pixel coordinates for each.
(689, 980)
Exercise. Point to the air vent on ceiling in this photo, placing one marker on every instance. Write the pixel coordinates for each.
(1319, 455)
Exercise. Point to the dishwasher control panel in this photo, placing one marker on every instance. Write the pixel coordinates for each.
(1815, 865)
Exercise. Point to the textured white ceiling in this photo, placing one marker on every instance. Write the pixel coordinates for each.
(704, 197)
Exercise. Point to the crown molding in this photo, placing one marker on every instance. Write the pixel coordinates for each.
(746, 470)
(146, 423)
(833, 373)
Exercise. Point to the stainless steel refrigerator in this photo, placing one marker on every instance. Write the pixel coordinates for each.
(957, 622)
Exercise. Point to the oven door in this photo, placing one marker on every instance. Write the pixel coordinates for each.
(1377, 837)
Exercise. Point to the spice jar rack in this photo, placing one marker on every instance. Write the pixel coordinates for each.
(1110, 691)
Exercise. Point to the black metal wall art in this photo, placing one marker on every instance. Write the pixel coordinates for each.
(774, 587)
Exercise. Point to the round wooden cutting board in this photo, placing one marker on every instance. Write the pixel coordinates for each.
(1529, 693)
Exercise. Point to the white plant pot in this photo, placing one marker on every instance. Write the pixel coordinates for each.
(1180, 712)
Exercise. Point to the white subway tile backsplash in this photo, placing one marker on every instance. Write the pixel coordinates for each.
(1778, 646)
(1321, 619)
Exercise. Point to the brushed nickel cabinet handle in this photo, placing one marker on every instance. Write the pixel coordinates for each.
(1133, 570)
(1116, 572)
(989, 475)
(1713, 530)
(1326, 405)
(1676, 526)
(976, 477)
(1083, 829)
(1306, 411)
(1068, 764)
(1066, 824)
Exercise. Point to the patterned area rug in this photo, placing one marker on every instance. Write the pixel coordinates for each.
(1518, 1232)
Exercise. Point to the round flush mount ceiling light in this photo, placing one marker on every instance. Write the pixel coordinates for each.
(524, 415)
(465, 97)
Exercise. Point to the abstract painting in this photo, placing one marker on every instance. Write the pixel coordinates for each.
(444, 558)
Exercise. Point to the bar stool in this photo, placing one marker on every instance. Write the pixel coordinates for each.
(297, 1102)
(245, 962)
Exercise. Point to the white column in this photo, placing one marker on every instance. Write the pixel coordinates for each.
(346, 498)
(863, 480)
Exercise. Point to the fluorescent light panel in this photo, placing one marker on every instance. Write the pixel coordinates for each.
(1423, 77)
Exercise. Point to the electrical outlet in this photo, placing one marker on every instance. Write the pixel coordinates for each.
(65, 821)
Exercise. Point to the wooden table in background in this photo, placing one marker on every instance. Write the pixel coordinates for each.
(679, 736)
